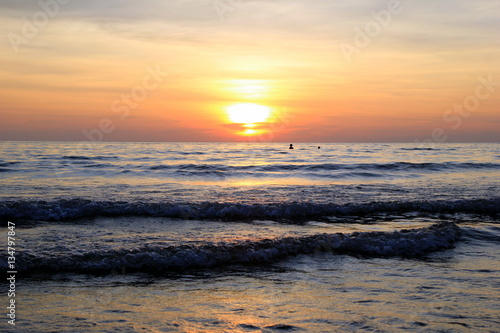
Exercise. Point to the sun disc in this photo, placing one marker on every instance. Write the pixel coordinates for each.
(249, 132)
(248, 113)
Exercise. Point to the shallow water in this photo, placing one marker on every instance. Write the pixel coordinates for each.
(455, 290)
(143, 237)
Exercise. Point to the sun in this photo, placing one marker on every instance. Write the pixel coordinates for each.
(248, 113)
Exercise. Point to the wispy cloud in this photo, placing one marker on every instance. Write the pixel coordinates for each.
(430, 53)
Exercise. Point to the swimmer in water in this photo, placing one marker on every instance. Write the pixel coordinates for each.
(291, 146)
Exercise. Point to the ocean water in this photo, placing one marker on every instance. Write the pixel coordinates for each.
(252, 237)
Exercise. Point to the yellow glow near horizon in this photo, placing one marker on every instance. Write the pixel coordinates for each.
(248, 89)
(248, 113)
(171, 80)
(250, 132)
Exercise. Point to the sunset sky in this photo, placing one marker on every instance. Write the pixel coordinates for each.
(193, 70)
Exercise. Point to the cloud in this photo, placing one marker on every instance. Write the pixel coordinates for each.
(420, 23)
(93, 51)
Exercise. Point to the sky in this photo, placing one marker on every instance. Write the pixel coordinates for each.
(250, 70)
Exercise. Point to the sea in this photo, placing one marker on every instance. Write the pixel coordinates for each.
(250, 237)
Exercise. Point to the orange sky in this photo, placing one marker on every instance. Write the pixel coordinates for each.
(387, 71)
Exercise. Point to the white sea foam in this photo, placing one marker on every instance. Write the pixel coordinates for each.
(62, 210)
(157, 258)
(329, 251)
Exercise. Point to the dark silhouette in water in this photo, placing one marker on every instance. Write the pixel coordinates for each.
(291, 146)
(319, 147)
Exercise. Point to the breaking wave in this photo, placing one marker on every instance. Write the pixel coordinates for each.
(155, 258)
(397, 166)
(61, 210)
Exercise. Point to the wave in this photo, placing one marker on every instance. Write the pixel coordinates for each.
(424, 149)
(155, 258)
(95, 165)
(6, 164)
(191, 153)
(63, 210)
(488, 233)
(77, 157)
(395, 166)
(114, 165)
